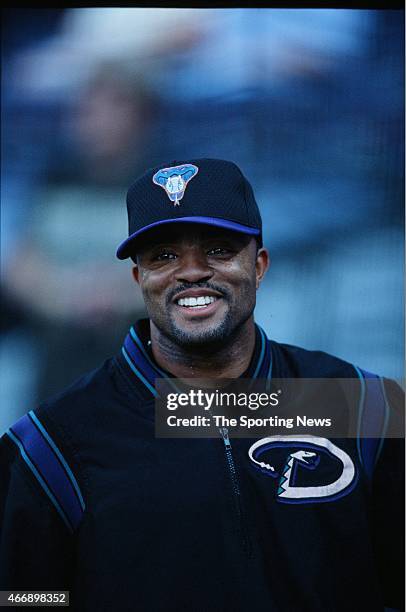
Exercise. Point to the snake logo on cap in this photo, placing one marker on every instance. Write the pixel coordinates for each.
(174, 180)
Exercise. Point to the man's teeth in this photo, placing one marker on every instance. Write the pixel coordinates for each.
(199, 302)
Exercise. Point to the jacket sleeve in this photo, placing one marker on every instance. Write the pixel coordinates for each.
(36, 548)
(388, 517)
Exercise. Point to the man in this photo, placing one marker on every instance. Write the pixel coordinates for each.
(95, 504)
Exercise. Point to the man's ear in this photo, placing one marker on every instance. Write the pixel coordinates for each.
(136, 274)
(261, 265)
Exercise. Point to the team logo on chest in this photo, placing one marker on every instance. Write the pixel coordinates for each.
(300, 454)
(174, 180)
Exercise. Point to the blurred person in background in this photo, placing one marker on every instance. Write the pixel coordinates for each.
(63, 274)
(26, 130)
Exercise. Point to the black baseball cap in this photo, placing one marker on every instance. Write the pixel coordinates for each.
(207, 191)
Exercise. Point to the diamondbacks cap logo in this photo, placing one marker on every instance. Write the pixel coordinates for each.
(174, 180)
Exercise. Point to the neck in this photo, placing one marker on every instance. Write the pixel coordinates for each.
(228, 361)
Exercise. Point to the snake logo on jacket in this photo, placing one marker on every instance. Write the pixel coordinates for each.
(312, 469)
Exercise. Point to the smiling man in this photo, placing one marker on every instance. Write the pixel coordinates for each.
(199, 285)
(94, 504)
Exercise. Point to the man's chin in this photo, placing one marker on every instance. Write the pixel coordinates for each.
(201, 335)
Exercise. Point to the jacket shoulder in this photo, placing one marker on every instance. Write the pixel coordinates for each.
(43, 446)
(293, 361)
(82, 392)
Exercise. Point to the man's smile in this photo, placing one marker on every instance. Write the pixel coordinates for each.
(197, 303)
(198, 308)
(200, 302)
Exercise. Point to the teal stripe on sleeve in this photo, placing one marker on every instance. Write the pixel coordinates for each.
(40, 479)
(59, 455)
(386, 421)
(360, 412)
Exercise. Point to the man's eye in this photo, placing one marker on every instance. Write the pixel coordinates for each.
(165, 255)
(218, 251)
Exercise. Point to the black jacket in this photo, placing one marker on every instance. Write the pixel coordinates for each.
(170, 524)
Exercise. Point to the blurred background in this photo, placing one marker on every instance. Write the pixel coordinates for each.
(308, 102)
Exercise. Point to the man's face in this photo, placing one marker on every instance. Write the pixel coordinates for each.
(199, 282)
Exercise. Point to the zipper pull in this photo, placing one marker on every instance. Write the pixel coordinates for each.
(226, 439)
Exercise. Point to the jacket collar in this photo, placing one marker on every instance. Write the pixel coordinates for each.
(138, 360)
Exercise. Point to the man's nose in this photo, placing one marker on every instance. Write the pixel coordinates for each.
(193, 267)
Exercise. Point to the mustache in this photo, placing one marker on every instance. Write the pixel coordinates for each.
(204, 285)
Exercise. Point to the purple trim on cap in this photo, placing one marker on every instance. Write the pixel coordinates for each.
(231, 225)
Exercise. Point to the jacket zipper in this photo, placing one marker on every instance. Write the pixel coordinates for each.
(246, 544)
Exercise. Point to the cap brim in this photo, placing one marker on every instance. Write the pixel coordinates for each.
(127, 247)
